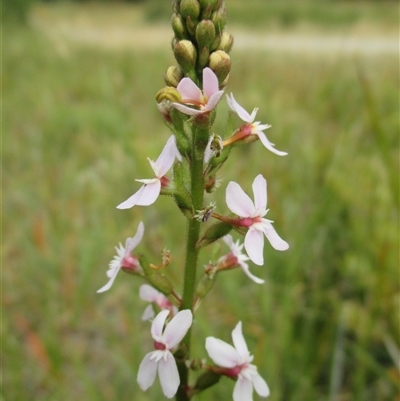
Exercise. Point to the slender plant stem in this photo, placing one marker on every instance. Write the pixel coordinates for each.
(192, 252)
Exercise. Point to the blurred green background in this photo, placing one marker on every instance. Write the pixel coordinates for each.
(79, 119)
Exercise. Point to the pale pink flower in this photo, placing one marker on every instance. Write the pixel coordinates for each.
(237, 360)
(161, 360)
(150, 294)
(251, 216)
(151, 188)
(124, 258)
(236, 257)
(205, 100)
(251, 127)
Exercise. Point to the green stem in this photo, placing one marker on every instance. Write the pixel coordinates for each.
(192, 253)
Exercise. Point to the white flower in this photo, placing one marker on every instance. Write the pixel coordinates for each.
(251, 216)
(150, 294)
(237, 360)
(252, 128)
(204, 100)
(124, 257)
(151, 189)
(162, 359)
(236, 257)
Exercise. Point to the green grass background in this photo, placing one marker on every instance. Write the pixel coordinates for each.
(78, 124)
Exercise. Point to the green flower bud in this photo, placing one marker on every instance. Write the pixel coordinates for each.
(173, 76)
(168, 93)
(205, 33)
(206, 380)
(220, 63)
(226, 42)
(178, 26)
(186, 55)
(191, 25)
(216, 42)
(157, 280)
(204, 286)
(204, 54)
(208, 3)
(206, 13)
(219, 18)
(214, 233)
(190, 8)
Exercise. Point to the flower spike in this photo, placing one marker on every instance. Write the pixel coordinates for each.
(151, 188)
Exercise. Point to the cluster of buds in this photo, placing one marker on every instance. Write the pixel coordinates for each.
(200, 41)
(185, 170)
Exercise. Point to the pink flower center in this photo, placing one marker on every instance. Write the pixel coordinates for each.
(164, 182)
(159, 346)
(233, 372)
(130, 262)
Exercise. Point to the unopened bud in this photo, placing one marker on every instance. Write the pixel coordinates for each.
(225, 82)
(178, 26)
(205, 33)
(190, 8)
(206, 380)
(226, 42)
(173, 76)
(214, 233)
(168, 93)
(211, 3)
(185, 54)
(203, 57)
(220, 63)
(219, 18)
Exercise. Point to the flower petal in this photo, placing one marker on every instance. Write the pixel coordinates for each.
(148, 293)
(246, 270)
(132, 201)
(213, 101)
(187, 110)
(275, 240)
(243, 390)
(210, 82)
(149, 194)
(133, 242)
(111, 281)
(222, 353)
(166, 158)
(260, 385)
(168, 375)
(158, 324)
(147, 372)
(254, 244)
(268, 144)
(189, 90)
(239, 110)
(177, 328)
(148, 313)
(238, 201)
(239, 341)
(260, 193)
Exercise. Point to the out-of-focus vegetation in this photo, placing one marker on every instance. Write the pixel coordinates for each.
(78, 124)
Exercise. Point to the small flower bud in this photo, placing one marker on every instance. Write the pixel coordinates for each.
(168, 93)
(178, 26)
(206, 380)
(157, 280)
(191, 25)
(219, 18)
(204, 55)
(205, 33)
(186, 55)
(173, 76)
(190, 8)
(213, 233)
(220, 63)
(226, 42)
(208, 3)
